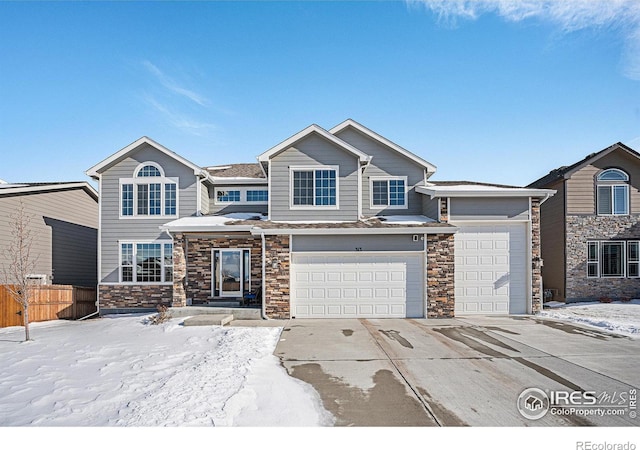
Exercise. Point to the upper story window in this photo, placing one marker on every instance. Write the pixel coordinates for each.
(241, 195)
(388, 192)
(314, 187)
(612, 192)
(148, 193)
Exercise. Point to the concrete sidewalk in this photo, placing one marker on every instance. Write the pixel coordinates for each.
(469, 371)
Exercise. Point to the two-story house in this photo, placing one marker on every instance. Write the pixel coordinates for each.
(328, 223)
(591, 229)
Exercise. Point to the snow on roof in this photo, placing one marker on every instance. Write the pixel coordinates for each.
(200, 223)
(404, 220)
(480, 190)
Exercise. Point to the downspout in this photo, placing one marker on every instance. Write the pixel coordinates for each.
(264, 272)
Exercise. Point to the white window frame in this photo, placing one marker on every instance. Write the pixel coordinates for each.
(388, 205)
(293, 169)
(613, 185)
(243, 195)
(136, 181)
(625, 258)
(134, 244)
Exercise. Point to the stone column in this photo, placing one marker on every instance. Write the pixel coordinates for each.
(179, 271)
(536, 258)
(440, 276)
(277, 275)
(444, 210)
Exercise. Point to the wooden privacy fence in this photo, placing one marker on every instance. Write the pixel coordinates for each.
(48, 302)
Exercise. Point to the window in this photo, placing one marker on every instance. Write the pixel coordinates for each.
(258, 196)
(227, 196)
(388, 192)
(612, 192)
(146, 262)
(314, 187)
(613, 259)
(148, 193)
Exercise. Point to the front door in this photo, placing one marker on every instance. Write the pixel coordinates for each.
(231, 274)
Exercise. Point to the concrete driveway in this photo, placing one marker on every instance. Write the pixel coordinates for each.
(456, 372)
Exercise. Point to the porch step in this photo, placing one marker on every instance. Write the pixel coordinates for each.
(237, 313)
(208, 320)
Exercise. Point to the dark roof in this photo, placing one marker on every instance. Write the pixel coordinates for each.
(560, 172)
(246, 170)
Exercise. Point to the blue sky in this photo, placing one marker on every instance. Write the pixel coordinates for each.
(485, 90)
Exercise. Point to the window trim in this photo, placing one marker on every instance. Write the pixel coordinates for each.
(136, 181)
(314, 207)
(612, 186)
(243, 195)
(388, 205)
(134, 243)
(625, 258)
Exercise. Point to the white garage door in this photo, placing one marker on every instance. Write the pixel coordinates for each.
(491, 269)
(360, 285)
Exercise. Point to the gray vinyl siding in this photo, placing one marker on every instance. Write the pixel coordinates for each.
(205, 207)
(354, 243)
(552, 236)
(431, 207)
(489, 209)
(233, 208)
(385, 162)
(581, 185)
(64, 227)
(309, 152)
(114, 229)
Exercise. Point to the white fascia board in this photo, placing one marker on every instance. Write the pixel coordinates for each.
(204, 228)
(353, 231)
(198, 171)
(445, 191)
(372, 134)
(363, 157)
(21, 189)
(228, 181)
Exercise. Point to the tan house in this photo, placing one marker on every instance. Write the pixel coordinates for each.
(64, 225)
(590, 228)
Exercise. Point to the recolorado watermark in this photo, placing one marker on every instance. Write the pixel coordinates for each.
(588, 445)
(535, 403)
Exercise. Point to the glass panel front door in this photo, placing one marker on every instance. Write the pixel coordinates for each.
(231, 273)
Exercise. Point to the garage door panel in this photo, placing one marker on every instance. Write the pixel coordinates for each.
(491, 269)
(370, 285)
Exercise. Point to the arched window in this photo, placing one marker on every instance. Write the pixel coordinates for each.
(612, 192)
(149, 170)
(148, 193)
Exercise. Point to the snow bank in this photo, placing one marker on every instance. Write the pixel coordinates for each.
(119, 371)
(617, 317)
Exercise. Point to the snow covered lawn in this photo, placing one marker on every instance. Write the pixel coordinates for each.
(120, 371)
(617, 317)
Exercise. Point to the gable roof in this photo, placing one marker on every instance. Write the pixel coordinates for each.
(95, 171)
(11, 189)
(565, 172)
(386, 142)
(362, 157)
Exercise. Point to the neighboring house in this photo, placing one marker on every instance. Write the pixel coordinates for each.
(328, 223)
(591, 228)
(64, 225)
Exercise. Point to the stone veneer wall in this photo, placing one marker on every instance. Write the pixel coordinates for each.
(440, 276)
(277, 279)
(581, 229)
(536, 258)
(198, 262)
(135, 295)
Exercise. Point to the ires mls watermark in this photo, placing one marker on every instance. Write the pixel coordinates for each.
(534, 403)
